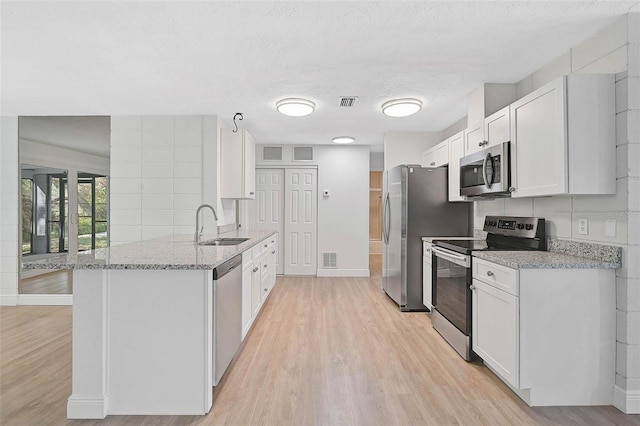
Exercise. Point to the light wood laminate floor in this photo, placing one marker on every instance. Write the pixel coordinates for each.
(55, 282)
(324, 351)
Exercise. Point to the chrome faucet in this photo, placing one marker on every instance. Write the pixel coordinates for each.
(199, 229)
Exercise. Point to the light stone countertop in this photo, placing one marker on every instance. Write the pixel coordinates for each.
(542, 260)
(173, 252)
(430, 239)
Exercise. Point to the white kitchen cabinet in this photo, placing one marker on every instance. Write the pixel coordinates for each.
(550, 334)
(427, 278)
(495, 329)
(563, 138)
(258, 278)
(237, 164)
(474, 138)
(497, 127)
(437, 155)
(456, 152)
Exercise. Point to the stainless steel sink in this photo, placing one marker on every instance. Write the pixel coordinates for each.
(223, 242)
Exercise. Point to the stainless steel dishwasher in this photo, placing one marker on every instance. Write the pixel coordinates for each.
(227, 315)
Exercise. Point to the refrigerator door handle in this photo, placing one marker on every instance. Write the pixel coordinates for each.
(387, 219)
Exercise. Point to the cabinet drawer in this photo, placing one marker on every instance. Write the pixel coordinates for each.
(506, 279)
(256, 251)
(247, 258)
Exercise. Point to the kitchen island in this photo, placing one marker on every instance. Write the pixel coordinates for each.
(143, 325)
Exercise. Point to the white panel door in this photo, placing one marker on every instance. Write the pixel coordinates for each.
(269, 207)
(300, 228)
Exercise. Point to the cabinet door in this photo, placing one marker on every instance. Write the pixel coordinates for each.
(249, 164)
(495, 330)
(247, 311)
(539, 148)
(272, 256)
(456, 151)
(428, 159)
(427, 299)
(497, 127)
(256, 289)
(436, 156)
(474, 138)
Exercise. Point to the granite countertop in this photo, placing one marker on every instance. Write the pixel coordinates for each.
(543, 260)
(173, 252)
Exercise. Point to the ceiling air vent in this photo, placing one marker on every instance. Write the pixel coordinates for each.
(348, 101)
(302, 153)
(272, 153)
(330, 260)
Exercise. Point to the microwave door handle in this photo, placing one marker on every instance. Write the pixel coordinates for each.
(485, 163)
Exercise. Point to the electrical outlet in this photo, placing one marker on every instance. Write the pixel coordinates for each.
(610, 228)
(583, 226)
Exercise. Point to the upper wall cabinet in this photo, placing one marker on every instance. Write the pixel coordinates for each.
(436, 156)
(456, 151)
(237, 164)
(497, 128)
(474, 138)
(563, 138)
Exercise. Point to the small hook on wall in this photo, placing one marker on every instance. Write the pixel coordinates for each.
(239, 116)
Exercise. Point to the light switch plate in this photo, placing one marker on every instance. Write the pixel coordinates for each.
(610, 228)
(583, 226)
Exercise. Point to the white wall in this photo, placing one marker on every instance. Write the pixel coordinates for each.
(343, 218)
(407, 147)
(376, 161)
(9, 207)
(162, 169)
(616, 50)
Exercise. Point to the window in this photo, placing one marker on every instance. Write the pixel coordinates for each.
(92, 211)
(27, 215)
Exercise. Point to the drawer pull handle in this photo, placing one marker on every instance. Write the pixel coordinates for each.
(472, 287)
(255, 269)
(266, 289)
(489, 273)
(273, 252)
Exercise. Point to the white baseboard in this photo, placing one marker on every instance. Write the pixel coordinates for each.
(45, 299)
(87, 407)
(8, 299)
(626, 401)
(343, 273)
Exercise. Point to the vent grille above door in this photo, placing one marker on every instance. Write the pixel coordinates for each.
(330, 260)
(272, 153)
(302, 153)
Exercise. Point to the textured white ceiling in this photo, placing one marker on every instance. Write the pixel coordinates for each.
(183, 57)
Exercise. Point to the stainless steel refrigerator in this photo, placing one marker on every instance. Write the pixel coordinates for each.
(415, 205)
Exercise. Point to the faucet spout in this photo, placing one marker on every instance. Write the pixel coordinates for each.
(199, 229)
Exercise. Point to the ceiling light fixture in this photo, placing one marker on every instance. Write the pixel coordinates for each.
(401, 107)
(295, 107)
(343, 139)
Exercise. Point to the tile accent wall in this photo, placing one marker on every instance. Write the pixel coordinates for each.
(616, 50)
(9, 220)
(156, 174)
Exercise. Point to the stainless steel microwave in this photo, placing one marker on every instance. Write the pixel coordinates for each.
(487, 173)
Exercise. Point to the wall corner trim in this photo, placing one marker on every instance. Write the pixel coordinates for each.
(87, 407)
(627, 401)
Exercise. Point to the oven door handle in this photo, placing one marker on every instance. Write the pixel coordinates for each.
(455, 258)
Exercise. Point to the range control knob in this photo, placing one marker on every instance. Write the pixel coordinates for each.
(529, 226)
(520, 226)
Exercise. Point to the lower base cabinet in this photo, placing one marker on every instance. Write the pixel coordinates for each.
(549, 334)
(257, 281)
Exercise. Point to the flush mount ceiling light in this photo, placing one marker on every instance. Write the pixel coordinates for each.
(401, 107)
(343, 139)
(295, 107)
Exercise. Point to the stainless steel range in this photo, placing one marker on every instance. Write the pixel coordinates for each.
(451, 313)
